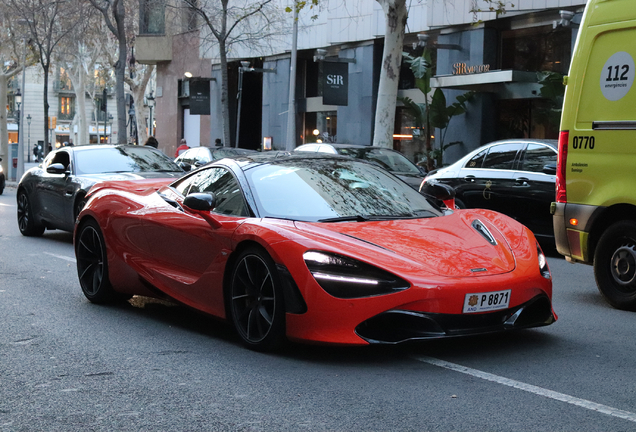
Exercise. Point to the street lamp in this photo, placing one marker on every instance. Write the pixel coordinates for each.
(110, 124)
(29, 138)
(245, 65)
(151, 103)
(18, 101)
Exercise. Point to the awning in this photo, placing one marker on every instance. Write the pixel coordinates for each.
(506, 84)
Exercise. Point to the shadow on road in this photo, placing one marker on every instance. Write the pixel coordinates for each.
(474, 346)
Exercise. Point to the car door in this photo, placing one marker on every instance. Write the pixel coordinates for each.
(58, 192)
(534, 188)
(189, 254)
(485, 177)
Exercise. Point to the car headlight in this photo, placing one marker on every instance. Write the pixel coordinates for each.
(543, 263)
(344, 277)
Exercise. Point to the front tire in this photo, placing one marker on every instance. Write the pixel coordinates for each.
(26, 221)
(256, 302)
(92, 264)
(615, 265)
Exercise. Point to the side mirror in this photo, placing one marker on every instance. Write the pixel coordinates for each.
(201, 204)
(56, 168)
(185, 166)
(440, 191)
(549, 169)
(200, 201)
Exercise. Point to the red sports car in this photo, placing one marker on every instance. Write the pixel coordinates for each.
(313, 248)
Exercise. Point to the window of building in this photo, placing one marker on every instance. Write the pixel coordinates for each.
(152, 17)
(67, 108)
(537, 49)
(64, 81)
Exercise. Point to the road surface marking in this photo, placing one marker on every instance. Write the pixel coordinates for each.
(626, 415)
(61, 257)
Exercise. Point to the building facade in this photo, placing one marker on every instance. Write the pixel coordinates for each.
(503, 61)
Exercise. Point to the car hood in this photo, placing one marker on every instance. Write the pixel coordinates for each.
(447, 246)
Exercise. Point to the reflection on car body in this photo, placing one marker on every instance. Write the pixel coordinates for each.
(317, 248)
(198, 156)
(51, 195)
(514, 177)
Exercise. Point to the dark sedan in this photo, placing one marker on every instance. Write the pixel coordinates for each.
(515, 177)
(51, 195)
(389, 159)
(199, 156)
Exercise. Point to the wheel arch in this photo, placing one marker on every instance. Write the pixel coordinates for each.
(609, 216)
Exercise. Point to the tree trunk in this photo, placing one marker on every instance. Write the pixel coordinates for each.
(120, 70)
(396, 14)
(225, 103)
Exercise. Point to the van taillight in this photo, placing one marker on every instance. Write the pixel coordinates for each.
(562, 160)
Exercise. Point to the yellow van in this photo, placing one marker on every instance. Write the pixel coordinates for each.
(595, 211)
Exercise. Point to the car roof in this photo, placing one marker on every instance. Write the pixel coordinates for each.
(101, 146)
(551, 142)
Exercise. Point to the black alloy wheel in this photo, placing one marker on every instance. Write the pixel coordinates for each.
(256, 301)
(26, 221)
(615, 265)
(92, 263)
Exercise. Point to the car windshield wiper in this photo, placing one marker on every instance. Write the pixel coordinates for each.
(356, 218)
(366, 218)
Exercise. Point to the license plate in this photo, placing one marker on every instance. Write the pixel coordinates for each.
(488, 301)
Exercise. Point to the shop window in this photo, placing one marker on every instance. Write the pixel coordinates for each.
(537, 49)
(321, 127)
(526, 118)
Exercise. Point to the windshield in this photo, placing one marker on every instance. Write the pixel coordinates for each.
(122, 159)
(328, 189)
(388, 159)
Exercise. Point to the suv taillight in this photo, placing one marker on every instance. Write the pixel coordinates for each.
(562, 159)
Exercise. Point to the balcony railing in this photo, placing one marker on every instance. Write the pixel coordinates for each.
(65, 116)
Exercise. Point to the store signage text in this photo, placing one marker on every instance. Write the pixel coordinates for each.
(463, 69)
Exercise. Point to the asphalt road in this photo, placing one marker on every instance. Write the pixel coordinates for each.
(66, 364)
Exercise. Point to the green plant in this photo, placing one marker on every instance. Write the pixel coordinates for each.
(433, 113)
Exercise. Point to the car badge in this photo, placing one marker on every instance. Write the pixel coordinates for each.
(477, 270)
(472, 301)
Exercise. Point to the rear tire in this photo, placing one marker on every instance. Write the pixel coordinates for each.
(26, 221)
(615, 265)
(92, 264)
(256, 303)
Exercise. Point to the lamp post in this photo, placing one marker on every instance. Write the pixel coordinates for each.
(151, 103)
(245, 65)
(18, 101)
(29, 139)
(110, 124)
